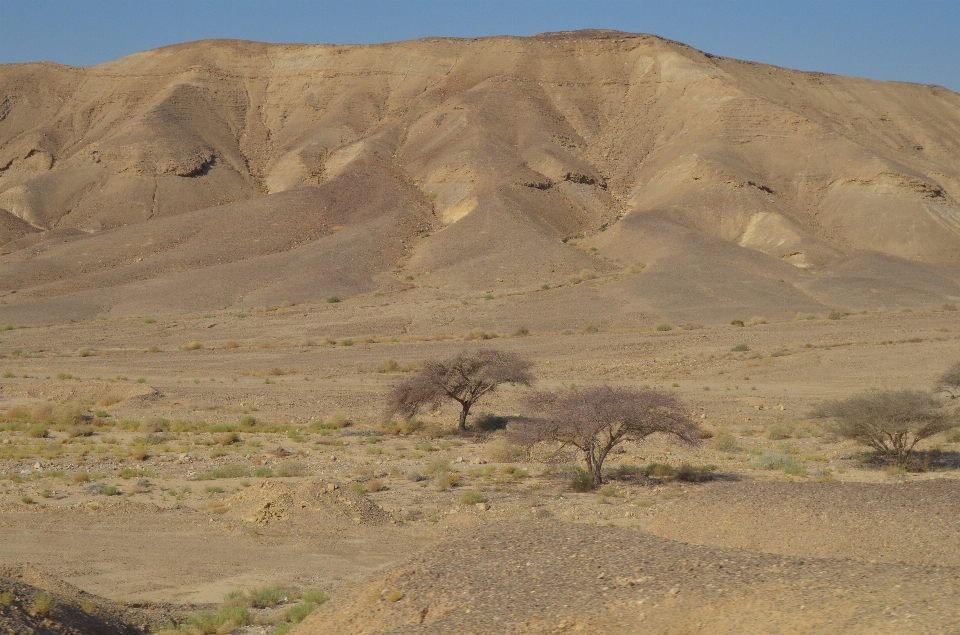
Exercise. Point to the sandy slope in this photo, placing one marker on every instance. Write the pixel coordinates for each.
(222, 173)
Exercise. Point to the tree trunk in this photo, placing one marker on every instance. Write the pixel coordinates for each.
(594, 467)
(463, 417)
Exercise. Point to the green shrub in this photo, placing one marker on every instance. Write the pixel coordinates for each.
(664, 327)
(472, 498)
(333, 299)
(268, 597)
(725, 442)
(691, 474)
(581, 480)
(780, 430)
(298, 612)
(659, 469)
(786, 462)
(489, 422)
(740, 348)
(315, 596)
(42, 604)
(737, 323)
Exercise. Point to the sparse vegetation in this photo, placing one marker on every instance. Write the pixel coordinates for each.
(891, 422)
(464, 378)
(596, 420)
(949, 382)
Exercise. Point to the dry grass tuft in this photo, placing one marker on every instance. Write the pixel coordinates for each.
(192, 346)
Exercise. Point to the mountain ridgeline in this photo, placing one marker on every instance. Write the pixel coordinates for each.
(220, 174)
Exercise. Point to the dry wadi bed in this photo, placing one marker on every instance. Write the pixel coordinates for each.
(183, 459)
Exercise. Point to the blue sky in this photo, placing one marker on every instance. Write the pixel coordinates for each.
(916, 41)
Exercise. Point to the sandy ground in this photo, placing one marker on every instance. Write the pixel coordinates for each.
(201, 508)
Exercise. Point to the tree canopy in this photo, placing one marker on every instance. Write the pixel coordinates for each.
(464, 378)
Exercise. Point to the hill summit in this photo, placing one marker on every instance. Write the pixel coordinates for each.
(658, 179)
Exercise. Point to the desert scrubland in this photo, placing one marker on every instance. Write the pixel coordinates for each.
(220, 258)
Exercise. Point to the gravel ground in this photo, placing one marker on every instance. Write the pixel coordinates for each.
(550, 577)
(911, 523)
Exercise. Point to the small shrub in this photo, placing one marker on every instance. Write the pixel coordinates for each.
(39, 431)
(446, 480)
(346, 342)
(502, 451)
(268, 597)
(691, 474)
(780, 430)
(725, 442)
(521, 332)
(297, 613)
(315, 596)
(636, 267)
(740, 348)
(778, 461)
(388, 366)
(757, 320)
(230, 470)
(473, 498)
(664, 327)
(291, 468)
(662, 470)
(588, 274)
(737, 323)
(6, 598)
(228, 438)
(263, 472)
(42, 604)
(333, 299)
(359, 488)
(489, 422)
(581, 480)
(192, 346)
(82, 477)
(375, 485)
(834, 315)
(337, 421)
(26, 500)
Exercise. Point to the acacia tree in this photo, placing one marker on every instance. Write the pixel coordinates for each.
(949, 382)
(891, 422)
(464, 378)
(597, 419)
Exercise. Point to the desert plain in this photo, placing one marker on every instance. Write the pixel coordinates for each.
(221, 256)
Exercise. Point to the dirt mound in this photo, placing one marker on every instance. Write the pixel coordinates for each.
(527, 577)
(34, 603)
(273, 502)
(91, 391)
(912, 523)
(224, 174)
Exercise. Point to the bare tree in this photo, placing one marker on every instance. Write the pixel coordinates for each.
(949, 382)
(891, 422)
(464, 378)
(595, 420)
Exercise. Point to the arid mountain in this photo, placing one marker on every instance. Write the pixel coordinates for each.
(219, 174)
